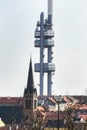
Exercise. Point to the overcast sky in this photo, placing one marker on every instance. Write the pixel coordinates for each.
(17, 25)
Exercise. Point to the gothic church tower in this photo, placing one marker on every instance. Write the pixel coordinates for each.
(30, 100)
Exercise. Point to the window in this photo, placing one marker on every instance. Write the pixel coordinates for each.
(34, 103)
(28, 104)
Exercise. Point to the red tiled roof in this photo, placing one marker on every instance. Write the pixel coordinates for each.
(50, 114)
(52, 100)
(11, 100)
(66, 99)
(83, 116)
(83, 106)
(40, 108)
(79, 106)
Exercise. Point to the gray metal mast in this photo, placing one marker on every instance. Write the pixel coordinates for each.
(44, 35)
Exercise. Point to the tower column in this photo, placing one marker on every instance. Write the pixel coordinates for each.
(49, 83)
(41, 53)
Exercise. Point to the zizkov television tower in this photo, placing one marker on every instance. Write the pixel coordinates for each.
(44, 40)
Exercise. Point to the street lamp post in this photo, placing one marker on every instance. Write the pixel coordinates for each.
(69, 119)
(58, 103)
(58, 113)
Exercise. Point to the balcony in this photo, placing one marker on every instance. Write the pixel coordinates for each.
(37, 34)
(49, 33)
(47, 43)
(47, 67)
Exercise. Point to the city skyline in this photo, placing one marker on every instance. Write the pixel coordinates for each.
(17, 26)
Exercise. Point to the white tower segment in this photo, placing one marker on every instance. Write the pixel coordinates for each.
(50, 7)
(44, 35)
(50, 11)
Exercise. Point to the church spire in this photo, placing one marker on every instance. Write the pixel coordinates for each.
(30, 81)
(29, 100)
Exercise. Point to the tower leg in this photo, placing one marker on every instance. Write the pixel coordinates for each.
(41, 53)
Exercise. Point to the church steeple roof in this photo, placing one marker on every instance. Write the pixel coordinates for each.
(30, 81)
(30, 89)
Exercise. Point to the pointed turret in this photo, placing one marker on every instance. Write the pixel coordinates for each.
(30, 81)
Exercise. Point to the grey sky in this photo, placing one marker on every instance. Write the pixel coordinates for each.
(17, 24)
